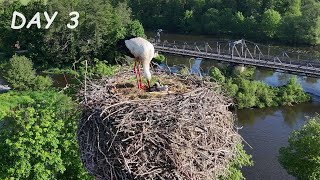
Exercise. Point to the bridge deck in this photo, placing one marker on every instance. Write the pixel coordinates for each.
(232, 55)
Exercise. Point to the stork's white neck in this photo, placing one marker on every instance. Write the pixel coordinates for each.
(146, 70)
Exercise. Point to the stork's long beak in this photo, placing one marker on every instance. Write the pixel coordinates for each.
(148, 84)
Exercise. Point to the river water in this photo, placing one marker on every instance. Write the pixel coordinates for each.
(265, 130)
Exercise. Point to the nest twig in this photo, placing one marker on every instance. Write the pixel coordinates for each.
(187, 134)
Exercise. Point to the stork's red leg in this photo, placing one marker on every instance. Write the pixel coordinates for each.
(135, 67)
(135, 72)
(140, 78)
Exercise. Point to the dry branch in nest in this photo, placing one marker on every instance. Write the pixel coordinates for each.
(185, 134)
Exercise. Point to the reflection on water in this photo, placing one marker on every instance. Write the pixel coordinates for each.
(267, 130)
(61, 80)
(309, 84)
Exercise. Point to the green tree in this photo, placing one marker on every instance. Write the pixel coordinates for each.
(20, 73)
(242, 159)
(217, 75)
(231, 88)
(289, 30)
(301, 158)
(38, 138)
(135, 28)
(292, 93)
(310, 23)
(187, 21)
(42, 83)
(101, 25)
(270, 22)
(239, 25)
(211, 21)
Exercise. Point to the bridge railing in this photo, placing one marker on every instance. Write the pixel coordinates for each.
(241, 52)
(240, 49)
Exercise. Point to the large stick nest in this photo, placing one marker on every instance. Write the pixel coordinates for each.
(185, 134)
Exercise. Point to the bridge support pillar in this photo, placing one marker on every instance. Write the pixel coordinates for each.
(239, 68)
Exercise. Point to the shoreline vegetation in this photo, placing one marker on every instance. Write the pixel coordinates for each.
(249, 93)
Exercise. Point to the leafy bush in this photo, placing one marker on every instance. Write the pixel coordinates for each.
(301, 158)
(20, 73)
(102, 68)
(159, 59)
(9, 101)
(217, 75)
(42, 83)
(242, 159)
(38, 137)
(231, 88)
(248, 94)
(292, 93)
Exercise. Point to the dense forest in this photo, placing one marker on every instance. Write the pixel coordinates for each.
(286, 21)
(101, 24)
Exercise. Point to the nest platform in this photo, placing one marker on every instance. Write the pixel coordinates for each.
(187, 133)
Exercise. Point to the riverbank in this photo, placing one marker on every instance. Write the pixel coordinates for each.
(4, 87)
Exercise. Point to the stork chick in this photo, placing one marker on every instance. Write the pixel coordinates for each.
(142, 51)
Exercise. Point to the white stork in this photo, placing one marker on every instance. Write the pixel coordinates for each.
(142, 51)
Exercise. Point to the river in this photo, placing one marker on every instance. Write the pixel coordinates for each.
(265, 130)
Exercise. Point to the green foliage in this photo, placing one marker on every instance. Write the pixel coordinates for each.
(242, 72)
(38, 137)
(292, 93)
(231, 88)
(301, 158)
(242, 159)
(97, 68)
(159, 59)
(259, 20)
(135, 28)
(270, 22)
(188, 21)
(102, 68)
(248, 93)
(42, 83)
(217, 75)
(101, 25)
(10, 101)
(20, 73)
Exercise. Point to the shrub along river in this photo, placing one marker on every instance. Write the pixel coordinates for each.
(265, 130)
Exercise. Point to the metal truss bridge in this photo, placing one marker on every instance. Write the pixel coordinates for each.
(244, 52)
